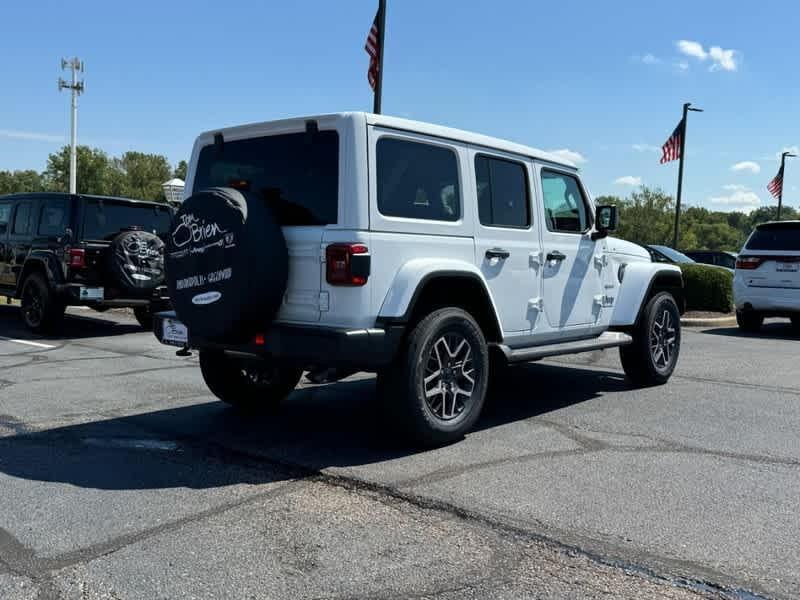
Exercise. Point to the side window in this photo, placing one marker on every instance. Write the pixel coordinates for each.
(53, 217)
(564, 205)
(417, 181)
(22, 219)
(5, 216)
(502, 192)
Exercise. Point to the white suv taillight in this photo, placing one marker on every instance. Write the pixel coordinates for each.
(347, 264)
(749, 262)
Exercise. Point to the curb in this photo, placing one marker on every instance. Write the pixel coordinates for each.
(710, 322)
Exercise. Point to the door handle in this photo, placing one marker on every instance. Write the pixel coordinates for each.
(556, 255)
(498, 253)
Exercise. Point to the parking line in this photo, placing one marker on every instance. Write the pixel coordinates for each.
(27, 343)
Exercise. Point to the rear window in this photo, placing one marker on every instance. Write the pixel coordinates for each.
(53, 217)
(103, 220)
(296, 173)
(776, 237)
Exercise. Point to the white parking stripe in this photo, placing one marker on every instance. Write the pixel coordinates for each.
(27, 343)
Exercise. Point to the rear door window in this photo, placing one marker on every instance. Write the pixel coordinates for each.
(417, 180)
(296, 173)
(5, 216)
(53, 217)
(105, 219)
(22, 219)
(781, 237)
(502, 192)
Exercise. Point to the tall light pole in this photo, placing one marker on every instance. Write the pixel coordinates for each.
(780, 190)
(75, 65)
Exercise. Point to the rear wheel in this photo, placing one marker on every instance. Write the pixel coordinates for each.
(249, 384)
(653, 355)
(435, 390)
(41, 311)
(749, 321)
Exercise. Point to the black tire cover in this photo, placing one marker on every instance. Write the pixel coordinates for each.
(227, 264)
(136, 260)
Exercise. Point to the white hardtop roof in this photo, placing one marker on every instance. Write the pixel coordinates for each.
(430, 129)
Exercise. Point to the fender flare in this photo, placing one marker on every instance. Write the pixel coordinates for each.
(43, 261)
(413, 276)
(637, 285)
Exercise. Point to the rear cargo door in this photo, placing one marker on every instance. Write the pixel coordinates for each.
(296, 172)
(777, 245)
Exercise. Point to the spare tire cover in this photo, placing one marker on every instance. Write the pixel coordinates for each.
(227, 264)
(136, 259)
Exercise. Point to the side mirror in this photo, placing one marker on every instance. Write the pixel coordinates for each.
(606, 219)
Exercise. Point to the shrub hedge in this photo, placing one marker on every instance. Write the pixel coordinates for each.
(708, 288)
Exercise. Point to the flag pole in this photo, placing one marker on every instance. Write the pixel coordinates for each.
(676, 234)
(376, 107)
(780, 191)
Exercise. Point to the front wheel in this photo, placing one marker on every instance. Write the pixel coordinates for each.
(435, 390)
(251, 384)
(144, 316)
(653, 355)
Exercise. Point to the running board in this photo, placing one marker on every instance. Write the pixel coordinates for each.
(609, 339)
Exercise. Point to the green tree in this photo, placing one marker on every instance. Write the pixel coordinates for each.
(180, 170)
(646, 216)
(94, 171)
(141, 175)
(12, 182)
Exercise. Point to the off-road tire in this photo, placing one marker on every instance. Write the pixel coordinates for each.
(252, 385)
(749, 321)
(659, 323)
(41, 310)
(402, 387)
(144, 315)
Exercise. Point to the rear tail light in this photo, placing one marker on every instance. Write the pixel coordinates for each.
(77, 258)
(748, 262)
(347, 264)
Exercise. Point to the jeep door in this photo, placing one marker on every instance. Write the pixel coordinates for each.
(19, 237)
(572, 286)
(5, 249)
(507, 245)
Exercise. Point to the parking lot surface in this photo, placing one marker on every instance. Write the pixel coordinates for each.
(122, 477)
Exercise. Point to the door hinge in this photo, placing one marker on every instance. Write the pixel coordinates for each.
(536, 304)
(535, 259)
(600, 260)
(324, 302)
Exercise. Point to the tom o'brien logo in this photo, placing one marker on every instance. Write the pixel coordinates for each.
(192, 229)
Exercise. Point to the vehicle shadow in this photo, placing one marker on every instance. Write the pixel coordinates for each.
(74, 326)
(210, 445)
(771, 330)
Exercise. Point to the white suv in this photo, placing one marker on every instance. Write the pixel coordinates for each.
(767, 278)
(364, 242)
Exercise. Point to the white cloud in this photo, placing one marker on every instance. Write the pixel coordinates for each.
(720, 58)
(741, 199)
(747, 165)
(30, 135)
(690, 48)
(570, 155)
(649, 59)
(682, 66)
(645, 148)
(628, 180)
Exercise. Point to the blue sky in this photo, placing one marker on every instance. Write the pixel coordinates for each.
(605, 80)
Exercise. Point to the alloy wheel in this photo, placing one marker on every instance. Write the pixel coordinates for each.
(449, 377)
(663, 339)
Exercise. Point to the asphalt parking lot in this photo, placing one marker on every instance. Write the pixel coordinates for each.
(122, 477)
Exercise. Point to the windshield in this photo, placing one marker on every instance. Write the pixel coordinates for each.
(785, 236)
(672, 254)
(104, 219)
(297, 173)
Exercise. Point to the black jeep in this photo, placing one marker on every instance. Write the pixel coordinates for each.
(58, 250)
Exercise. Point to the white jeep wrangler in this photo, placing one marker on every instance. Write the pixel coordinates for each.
(361, 242)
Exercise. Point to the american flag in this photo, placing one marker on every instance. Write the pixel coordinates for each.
(775, 186)
(374, 50)
(672, 147)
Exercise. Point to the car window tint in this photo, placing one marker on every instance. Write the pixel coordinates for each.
(502, 187)
(417, 181)
(564, 205)
(297, 174)
(104, 220)
(785, 236)
(53, 217)
(5, 216)
(22, 219)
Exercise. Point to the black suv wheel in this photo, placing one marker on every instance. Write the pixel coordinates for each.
(435, 390)
(248, 384)
(144, 315)
(653, 355)
(749, 320)
(41, 311)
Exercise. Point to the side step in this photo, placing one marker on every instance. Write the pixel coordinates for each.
(609, 339)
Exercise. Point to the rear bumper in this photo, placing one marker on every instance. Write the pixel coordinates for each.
(363, 349)
(70, 293)
(775, 301)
